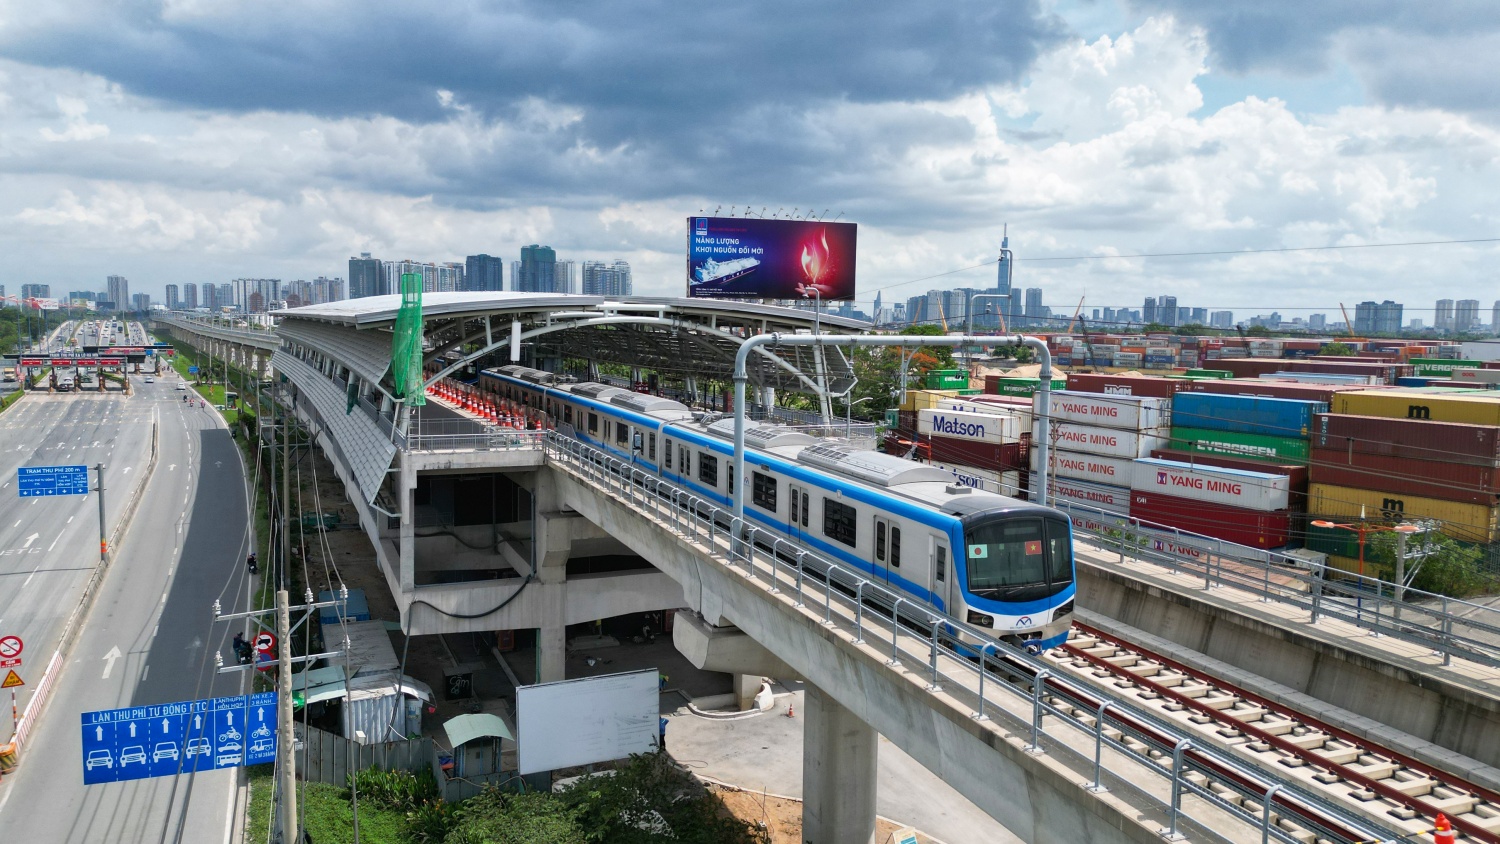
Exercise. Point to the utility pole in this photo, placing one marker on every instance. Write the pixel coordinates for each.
(286, 497)
(103, 534)
(285, 746)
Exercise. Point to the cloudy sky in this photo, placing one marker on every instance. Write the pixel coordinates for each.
(202, 140)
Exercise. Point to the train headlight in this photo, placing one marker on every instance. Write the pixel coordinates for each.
(1063, 610)
(979, 619)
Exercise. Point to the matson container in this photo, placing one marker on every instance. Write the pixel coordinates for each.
(1125, 385)
(1232, 444)
(1257, 491)
(1000, 483)
(1232, 524)
(1468, 522)
(1125, 413)
(979, 427)
(1110, 499)
(1413, 439)
(1449, 481)
(1245, 414)
(1092, 439)
(1409, 404)
(1094, 468)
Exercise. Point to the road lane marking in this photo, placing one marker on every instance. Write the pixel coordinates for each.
(144, 672)
(30, 539)
(70, 520)
(17, 524)
(109, 661)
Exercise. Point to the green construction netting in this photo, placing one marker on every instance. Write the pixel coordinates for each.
(406, 347)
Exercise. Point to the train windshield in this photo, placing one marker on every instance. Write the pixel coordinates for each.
(1018, 558)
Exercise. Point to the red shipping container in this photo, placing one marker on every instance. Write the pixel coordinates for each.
(981, 455)
(1124, 385)
(1297, 475)
(1270, 389)
(1232, 524)
(1464, 482)
(1413, 439)
(1256, 367)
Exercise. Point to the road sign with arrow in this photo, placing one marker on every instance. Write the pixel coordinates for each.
(172, 738)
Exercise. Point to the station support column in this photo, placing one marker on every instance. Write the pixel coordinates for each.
(838, 773)
(552, 544)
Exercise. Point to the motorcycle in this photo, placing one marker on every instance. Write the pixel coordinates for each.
(252, 564)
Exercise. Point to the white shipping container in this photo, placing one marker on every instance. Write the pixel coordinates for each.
(1123, 413)
(1110, 442)
(1095, 468)
(1250, 490)
(1478, 376)
(1325, 378)
(1021, 412)
(988, 480)
(1110, 499)
(975, 427)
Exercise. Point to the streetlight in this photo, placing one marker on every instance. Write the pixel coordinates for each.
(1402, 531)
(849, 414)
(969, 314)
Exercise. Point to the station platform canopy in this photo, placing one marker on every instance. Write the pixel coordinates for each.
(669, 336)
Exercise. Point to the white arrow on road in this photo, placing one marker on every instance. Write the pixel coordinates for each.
(30, 539)
(127, 470)
(109, 661)
(171, 466)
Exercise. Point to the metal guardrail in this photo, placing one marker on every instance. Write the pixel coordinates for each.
(1450, 626)
(1202, 786)
(465, 435)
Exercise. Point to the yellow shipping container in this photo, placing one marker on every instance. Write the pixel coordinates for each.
(1410, 404)
(1468, 522)
(926, 399)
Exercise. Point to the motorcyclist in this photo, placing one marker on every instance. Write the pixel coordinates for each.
(252, 564)
(241, 648)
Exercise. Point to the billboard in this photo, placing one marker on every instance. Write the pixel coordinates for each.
(754, 258)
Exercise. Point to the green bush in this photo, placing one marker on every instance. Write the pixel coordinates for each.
(414, 797)
(494, 817)
(651, 800)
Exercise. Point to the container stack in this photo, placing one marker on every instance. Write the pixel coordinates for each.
(1248, 508)
(1273, 430)
(1094, 441)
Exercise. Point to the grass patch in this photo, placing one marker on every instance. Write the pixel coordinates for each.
(11, 399)
(326, 811)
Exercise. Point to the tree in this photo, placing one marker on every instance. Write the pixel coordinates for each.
(651, 800)
(1336, 349)
(1257, 331)
(1452, 568)
(1156, 328)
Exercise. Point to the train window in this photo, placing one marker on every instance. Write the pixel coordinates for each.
(940, 564)
(684, 457)
(880, 540)
(593, 423)
(568, 414)
(708, 470)
(667, 448)
(1017, 555)
(839, 522)
(729, 477)
(622, 433)
(805, 509)
(1059, 552)
(895, 547)
(650, 446)
(763, 492)
(796, 509)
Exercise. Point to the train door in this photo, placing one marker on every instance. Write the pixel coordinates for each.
(939, 570)
(883, 531)
(797, 519)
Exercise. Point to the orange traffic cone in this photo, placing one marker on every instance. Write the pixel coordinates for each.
(791, 709)
(1442, 832)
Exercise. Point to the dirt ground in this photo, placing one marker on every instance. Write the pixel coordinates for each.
(783, 818)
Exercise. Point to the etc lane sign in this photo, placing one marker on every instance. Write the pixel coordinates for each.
(171, 738)
(35, 481)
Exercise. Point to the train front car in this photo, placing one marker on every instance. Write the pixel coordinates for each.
(1017, 574)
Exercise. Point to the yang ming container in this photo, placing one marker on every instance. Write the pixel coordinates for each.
(1092, 439)
(1245, 414)
(1124, 413)
(1110, 499)
(1094, 468)
(1259, 491)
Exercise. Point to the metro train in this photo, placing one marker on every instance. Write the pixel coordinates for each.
(999, 563)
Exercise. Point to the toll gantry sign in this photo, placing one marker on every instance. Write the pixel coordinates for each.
(171, 738)
(34, 481)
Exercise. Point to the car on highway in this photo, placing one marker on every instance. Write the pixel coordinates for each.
(150, 379)
(181, 386)
(164, 750)
(199, 747)
(97, 759)
(133, 753)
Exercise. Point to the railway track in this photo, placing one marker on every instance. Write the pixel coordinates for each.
(1374, 782)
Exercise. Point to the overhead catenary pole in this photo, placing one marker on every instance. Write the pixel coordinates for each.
(103, 533)
(287, 761)
(742, 377)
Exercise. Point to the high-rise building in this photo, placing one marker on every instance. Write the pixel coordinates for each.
(1317, 322)
(1034, 305)
(268, 288)
(563, 280)
(226, 295)
(36, 291)
(210, 296)
(325, 290)
(1495, 318)
(140, 302)
(1372, 318)
(190, 296)
(536, 271)
(484, 272)
(117, 290)
(174, 301)
(367, 277)
(1465, 315)
(1198, 316)
(1442, 320)
(1166, 310)
(1148, 310)
(1221, 319)
(601, 279)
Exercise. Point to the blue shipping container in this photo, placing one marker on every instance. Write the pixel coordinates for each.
(1245, 414)
(1414, 382)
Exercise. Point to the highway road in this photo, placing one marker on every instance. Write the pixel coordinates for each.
(149, 638)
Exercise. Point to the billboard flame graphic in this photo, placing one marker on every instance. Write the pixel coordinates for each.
(815, 263)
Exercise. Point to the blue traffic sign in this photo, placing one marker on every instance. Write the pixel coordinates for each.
(33, 481)
(192, 370)
(175, 738)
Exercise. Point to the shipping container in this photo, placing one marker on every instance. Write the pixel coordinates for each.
(946, 379)
(979, 427)
(923, 399)
(1272, 389)
(1208, 373)
(1431, 366)
(1094, 468)
(1410, 404)
(1234, 444)
(1125, 413)
(1482, 376)
(1255, 367)
(1325, 378)
(1258, 491)
(1245, 414)
(1000, 483)
(1296, 474)
(1415, 381)
(1110, 499)
(1467, 522)
(1413, 439)
(999, 457)
(1331, 540)
(1232, 524)
(1110, 442)
(1465, 482)
(1122, 385)
(1005, 386)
